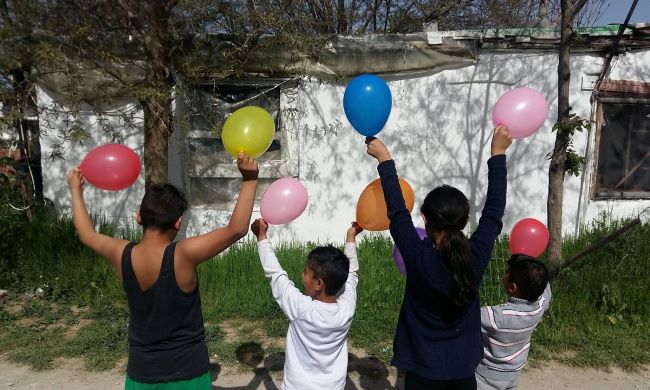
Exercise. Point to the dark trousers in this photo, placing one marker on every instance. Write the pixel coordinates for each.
(414, 382)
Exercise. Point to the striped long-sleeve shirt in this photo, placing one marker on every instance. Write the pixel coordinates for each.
(506, 330)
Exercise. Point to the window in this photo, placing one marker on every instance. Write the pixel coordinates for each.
(213, 178)
(623, 169)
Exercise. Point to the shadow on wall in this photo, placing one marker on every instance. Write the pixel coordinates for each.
(57, 124)
(373, 373)
(439, 132)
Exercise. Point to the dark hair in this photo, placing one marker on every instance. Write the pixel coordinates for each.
(446, 210)
(331, 265)
(161, 206)
(529, 274)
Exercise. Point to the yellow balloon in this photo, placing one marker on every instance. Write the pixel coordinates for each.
(249, 130)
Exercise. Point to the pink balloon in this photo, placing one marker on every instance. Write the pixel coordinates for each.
(522, 110)
(283, 201)
(111, 167)
(397, 256)
(529, 237)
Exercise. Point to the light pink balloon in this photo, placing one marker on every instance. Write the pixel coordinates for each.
(283, 201)
(522, 110)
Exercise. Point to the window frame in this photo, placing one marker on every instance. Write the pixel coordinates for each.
(607, 194)
(269, 170)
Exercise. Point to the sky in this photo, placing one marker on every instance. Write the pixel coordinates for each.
(615, 11)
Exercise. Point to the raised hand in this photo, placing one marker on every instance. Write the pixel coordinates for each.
(76, 179)
(259, 228)
(247, 166)
(377, 149)
(353, 231)
(501, 140)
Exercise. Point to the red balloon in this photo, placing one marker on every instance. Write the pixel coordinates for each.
(529, 237)
(111, 167)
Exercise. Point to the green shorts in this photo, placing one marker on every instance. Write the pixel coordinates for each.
(202, 382)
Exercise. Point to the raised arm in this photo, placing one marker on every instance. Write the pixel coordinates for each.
(285, 293)
(490, 223)
(401, 225)
(349, 295)
(200, 248)
(108, 247)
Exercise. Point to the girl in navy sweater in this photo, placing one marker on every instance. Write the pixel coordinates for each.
(438, 337)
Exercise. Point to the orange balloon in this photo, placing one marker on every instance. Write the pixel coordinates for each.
(372, 213)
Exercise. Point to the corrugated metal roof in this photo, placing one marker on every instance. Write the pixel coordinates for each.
(598, 38)
(542, 32)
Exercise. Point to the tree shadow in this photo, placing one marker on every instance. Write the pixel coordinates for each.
(58, 125)
(438, 132)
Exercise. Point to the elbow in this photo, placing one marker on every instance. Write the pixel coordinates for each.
(239, 233)
(86, 237)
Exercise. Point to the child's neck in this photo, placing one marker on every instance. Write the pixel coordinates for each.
(324, 298)
(157, 237)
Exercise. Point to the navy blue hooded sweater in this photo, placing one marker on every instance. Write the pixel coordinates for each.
(433, 339)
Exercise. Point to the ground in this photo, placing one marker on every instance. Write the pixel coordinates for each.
(238, 364)
(70, 375)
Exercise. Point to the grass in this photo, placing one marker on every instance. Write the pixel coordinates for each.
(599, 314)
(600, 307)
(40, 333)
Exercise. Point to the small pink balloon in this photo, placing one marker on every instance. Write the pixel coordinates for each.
(397, 256)
(111, 167)
(521, 110)
(283, 201)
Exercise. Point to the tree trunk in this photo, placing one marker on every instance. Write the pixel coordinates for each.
(556, 171)
(158, 127)
(557, 168)
(158, 116)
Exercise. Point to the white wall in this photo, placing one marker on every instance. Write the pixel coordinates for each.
(438, 132)
(116, 205)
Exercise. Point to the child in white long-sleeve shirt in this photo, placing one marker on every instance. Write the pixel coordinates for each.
(316, 355)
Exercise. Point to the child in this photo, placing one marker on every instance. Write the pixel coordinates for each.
(167, 348)
(438, 340)
(507, 328)
(316, 346)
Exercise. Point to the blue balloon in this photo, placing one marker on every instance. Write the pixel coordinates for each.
(367, 102)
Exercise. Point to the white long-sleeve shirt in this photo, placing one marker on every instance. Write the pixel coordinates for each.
(316, 355)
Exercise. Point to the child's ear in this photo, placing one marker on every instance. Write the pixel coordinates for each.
(320, 285)
(512, 288)
(137, 217)
(178, 223)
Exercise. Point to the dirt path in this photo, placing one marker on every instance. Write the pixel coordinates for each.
(70, 375)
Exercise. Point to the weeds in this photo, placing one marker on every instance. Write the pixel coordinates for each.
(599, 314)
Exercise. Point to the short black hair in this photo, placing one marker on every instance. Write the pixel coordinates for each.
(161, 206)
(529, 274)
(331, 265)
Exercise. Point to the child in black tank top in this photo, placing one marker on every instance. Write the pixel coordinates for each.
(166, 336)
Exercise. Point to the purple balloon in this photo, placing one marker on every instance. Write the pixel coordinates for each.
(521, 110)
(397, 256)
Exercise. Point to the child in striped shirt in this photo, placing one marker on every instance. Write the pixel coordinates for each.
(506, 329)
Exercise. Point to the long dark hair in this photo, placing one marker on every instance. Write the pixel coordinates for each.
(446, 210)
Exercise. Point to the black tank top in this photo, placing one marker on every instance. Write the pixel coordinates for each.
(166, 334)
